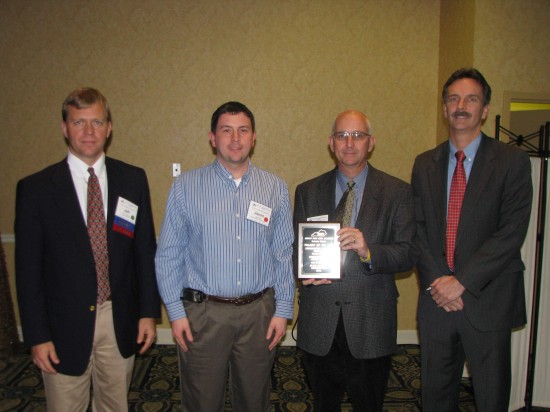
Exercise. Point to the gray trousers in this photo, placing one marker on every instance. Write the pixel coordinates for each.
(228, 339)
(444, 346)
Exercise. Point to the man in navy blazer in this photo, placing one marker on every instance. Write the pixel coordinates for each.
(470, 299)
(348, 328)
(73, 338)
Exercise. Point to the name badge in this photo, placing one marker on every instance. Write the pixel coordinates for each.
(125, 217)
(259, 213)
(320, 218)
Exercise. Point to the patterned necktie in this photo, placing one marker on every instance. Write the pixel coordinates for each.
(456, 195)
(97, 230)
(344, 209)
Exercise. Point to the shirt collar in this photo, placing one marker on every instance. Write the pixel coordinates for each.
(226, 174)
(470, 150)
(81, 168)
(359, 180)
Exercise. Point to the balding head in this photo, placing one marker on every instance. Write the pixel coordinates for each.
(352, 114)
(351, 141)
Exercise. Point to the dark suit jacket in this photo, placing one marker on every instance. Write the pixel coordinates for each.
(55, 269)
(367, 295)
(493, 223)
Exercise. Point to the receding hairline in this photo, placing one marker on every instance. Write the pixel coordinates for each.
(354, 113)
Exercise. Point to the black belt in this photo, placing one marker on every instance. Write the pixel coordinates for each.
(197, 296)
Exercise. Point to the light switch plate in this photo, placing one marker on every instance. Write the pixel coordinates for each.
(176, 169)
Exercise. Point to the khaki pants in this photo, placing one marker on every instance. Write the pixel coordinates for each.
(109, 372)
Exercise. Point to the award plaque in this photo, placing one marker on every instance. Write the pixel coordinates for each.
(318, 250)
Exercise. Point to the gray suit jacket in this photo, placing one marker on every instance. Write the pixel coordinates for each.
(493, 223)
(367, 295)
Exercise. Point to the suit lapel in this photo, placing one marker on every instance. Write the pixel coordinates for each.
(437, 176)
(368, 213)
(326, 194)
(67, 204)
(481, 172)
(115, 179)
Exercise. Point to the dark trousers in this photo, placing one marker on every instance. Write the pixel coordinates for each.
(445, 345)
(365, 380)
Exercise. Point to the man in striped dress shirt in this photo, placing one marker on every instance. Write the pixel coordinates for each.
(224, 270)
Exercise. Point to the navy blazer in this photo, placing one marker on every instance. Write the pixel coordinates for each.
(55, 268)
(367, 294)
(493, 224)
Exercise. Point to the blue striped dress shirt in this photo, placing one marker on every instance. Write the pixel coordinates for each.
(207, 243)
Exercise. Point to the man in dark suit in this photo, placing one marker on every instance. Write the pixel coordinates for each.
(348, 327)
(470, 299)
(86, 300)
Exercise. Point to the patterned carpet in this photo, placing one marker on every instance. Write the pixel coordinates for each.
(155, 384)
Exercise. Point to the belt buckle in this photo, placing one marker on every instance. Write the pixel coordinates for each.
(198, 296)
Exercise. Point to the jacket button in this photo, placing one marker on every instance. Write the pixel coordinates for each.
(92, 308)
(337, 303)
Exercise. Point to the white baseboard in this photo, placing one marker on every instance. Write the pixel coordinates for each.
(407, 337)
(404, 337)
(7, 238)
(164, 337)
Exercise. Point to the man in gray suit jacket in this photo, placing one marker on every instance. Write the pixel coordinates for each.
(470, 299)
(348, 327)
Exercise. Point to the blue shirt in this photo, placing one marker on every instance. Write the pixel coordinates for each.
(208, 243)
(470, 152)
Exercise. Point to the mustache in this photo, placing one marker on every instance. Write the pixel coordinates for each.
(462, 114)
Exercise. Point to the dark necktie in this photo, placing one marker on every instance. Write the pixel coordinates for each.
(456, 195)
(97, 230)
(344, 209)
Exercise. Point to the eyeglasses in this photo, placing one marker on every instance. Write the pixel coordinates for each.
(356, 136)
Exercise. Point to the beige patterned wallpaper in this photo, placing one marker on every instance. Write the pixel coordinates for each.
(456, 47)
(165, 65)
(513, 47)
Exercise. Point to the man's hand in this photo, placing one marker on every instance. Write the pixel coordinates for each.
(316, 282)
(454, 306)
(181, 331)
(147, 332)
(351, 238)
(276, 330)
(43, 355)
(445, 290)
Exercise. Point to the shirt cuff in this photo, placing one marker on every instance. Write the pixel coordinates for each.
(175, 310)
(284, 309)
(365, 259)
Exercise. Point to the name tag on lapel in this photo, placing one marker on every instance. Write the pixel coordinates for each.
(125, 217)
